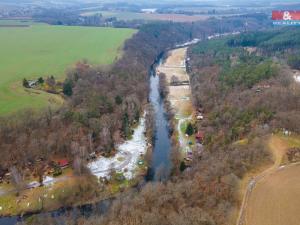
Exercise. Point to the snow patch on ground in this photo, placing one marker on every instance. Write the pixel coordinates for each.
(127, 157)
(194, 41)
(46, 181)
(297, 78)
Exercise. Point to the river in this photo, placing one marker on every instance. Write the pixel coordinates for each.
(161, 163)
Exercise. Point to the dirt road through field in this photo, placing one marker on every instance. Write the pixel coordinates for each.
(272, 197)
(275, 199)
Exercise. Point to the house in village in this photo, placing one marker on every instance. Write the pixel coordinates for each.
(32, 83)
(57, 166)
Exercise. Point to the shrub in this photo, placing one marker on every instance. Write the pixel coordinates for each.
(25, 83)
(189, 129)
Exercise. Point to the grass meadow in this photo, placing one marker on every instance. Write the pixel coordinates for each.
(148, 16)
(44, 50)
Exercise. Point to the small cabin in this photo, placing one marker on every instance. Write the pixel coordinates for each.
(200, 116)
(32, 83)
(62, 163)
(200, 136)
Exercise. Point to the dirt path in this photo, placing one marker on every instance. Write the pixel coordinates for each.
(275, 199)
(270, 196)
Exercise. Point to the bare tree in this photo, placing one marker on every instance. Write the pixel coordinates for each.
(78, 166)
(174, 80)
(40, 170)
(16, 179)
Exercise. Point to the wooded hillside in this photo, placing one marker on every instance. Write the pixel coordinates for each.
(105, 102)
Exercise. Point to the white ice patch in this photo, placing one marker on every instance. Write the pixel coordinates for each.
(48, 180)
(33, 184)
(127, 157)
(217, 35)
(194, 41)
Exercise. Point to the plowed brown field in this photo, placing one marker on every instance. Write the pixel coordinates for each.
(272, 197)
(276, 199)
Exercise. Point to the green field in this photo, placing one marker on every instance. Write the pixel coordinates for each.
(119, 15)
(16, 22)
(127, 16)
(43, 50)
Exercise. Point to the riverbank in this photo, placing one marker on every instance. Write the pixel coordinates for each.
(109, 177)
(179, 96)
(128, 159)
(161, 153)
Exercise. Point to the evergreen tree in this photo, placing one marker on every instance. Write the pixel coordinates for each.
(182, 166)
(67, 88)
(118, 100)
(189, 129)
(125, 125)
(41, 80)
(25, 83)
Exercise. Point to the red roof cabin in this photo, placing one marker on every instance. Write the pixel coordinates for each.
(200, 136)
(62, 163)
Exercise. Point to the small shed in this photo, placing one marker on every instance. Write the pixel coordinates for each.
(200, 116)
(62, 163)
(32, 83)
(200, 136)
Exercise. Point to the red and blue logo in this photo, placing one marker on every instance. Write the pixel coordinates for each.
(286, 17)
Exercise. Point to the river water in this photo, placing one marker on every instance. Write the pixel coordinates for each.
(159, 169)
(161, 163)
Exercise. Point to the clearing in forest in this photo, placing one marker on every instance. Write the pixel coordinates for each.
(179, 93)
(40, 50)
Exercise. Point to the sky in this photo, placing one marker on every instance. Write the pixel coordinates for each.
(147, 2)
(151, 1)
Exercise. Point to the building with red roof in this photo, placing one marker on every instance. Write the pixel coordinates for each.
(200, 136)
(62, 163)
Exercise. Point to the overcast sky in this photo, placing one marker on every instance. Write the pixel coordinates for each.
(148, 2)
